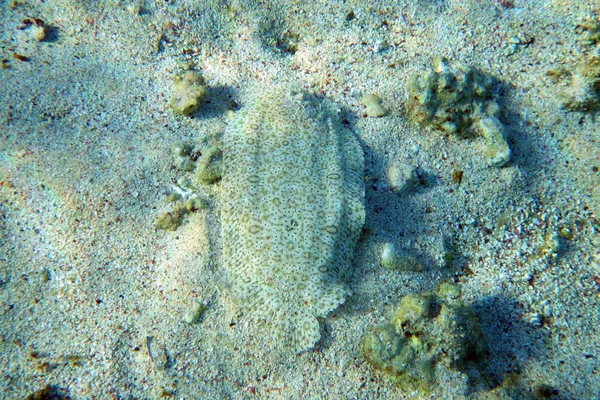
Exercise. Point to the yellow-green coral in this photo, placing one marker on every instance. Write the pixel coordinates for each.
(429, 334)
(397, 357)
(458, 99)
(190, 89)
(210, 165)
(171, 220)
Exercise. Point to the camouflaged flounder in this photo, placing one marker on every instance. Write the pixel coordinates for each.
(292, 212)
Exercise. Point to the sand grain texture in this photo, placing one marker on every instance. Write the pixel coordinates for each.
(86, 169)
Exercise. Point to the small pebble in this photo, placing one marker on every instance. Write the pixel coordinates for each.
(134, 9)
(38, 33)
(190, 89)
(44, 275)
(553, 243)
(381, 46)
(181, 149)
(374, 106)
(157, 353)
(195, 312)
(402, 177)
(394, 258)
(536, 319)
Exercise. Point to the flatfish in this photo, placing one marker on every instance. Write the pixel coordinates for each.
(292, 209)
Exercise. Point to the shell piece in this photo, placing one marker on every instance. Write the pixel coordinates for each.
(292, 212)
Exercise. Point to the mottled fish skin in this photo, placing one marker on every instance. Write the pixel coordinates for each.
(292, 212)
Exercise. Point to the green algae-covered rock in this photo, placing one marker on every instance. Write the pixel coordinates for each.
(459, 100)
(429, 335)
(190, 90)
(170, 220)
(210, 166)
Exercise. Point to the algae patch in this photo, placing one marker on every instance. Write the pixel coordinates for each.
(171, 220)
(209, 169)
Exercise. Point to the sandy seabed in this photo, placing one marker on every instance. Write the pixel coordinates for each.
(93, 296)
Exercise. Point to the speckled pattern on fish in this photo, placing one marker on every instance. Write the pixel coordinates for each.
(292, 212)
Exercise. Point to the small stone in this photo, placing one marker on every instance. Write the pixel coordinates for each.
(536, 319)
(374, 106)
(457, 176)
(195, 312)
(514, 40)
(44, 275)
(181, 149)
(382, 46)
(173, 197)
(185, 164)
(394, 258)
(553, 243)
(186, 185)
(565, 233)
(402, 177)
(157, 353)
(134, 8)
(193, 205)
(210, 166)
(182, 153)
(449, 290)
(21, 151)
(38, 33)
(190, 90)
(497, 152)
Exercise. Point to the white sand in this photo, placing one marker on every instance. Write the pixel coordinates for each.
(85, 138)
